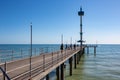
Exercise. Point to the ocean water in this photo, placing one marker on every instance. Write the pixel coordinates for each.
(105, 65)
(10, 52)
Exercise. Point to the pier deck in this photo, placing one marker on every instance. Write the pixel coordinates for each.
(40, 65)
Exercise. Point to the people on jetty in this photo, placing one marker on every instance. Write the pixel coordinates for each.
(61, 48)
(66, 47)
(70, 46)
(74, 46)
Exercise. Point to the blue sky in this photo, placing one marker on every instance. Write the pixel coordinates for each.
(51, 18)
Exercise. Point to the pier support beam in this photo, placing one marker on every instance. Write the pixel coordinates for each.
(58, 73)
(95, 50)
(80, 54)
(78, 57)
(70, 63)
(47, 77)
(62, 71)
(83, 51)
(87, 50)
(75, 61)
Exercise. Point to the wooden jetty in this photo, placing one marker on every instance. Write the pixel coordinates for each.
(41, 65)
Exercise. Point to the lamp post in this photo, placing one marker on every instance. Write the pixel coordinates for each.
(61, 46)
(30, 48)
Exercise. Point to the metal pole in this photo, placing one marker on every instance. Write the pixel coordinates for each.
(43, 62)
(65, 53)
(57, 56)
(21, 53)
(39, 52)
(52, 58)
(12, 55)
(4, 70)
(35, 52)
(30, 49)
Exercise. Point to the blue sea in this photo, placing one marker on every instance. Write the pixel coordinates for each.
(10, 52)
(105, 65)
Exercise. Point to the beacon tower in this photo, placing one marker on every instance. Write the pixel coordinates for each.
(81, 13)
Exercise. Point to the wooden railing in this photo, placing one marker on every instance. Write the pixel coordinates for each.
(4, 74)
(20, 69)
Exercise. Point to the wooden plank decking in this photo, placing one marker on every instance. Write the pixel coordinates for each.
(41, 65)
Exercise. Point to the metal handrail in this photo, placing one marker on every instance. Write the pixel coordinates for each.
(4, 73)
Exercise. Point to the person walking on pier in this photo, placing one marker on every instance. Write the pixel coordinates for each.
(61, 48)
(74, 46)
(66, 47)
(71, 46)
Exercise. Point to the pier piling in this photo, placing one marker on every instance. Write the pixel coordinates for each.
(87, 50)
(5, 67)
(58, 73)
(70, 63)
(94, 50)
(75, 63)
(80, 53)
(62, 71)
(47, 77)
(78, 57)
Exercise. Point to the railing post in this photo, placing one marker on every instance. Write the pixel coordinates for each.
(65, 53)
(35, 52)
(4, 70)
(58, 57)
(46, 50)
(12, 55)
(41, 50)
(43, 62)
(62, 54)
(21, 53)
(52, 58)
